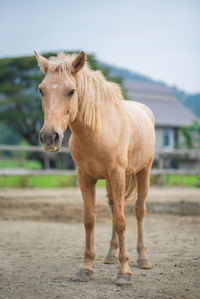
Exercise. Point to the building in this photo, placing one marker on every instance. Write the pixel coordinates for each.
(170, 114)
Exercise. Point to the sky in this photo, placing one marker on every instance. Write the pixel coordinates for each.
(156, 38)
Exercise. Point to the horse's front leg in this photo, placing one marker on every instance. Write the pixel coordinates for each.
(87, 186)
(112, 255)
(117, 180)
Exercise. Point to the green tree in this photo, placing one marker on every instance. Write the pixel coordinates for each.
(188, 133)
(20, 105)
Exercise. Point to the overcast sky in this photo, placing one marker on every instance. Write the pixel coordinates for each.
(157, 38)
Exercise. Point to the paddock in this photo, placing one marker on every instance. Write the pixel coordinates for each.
(42, 241)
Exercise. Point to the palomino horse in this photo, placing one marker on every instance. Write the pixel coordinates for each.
(111, 139)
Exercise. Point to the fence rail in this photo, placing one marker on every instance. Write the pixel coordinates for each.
(160, 155)
(31, 148)
(24, 172)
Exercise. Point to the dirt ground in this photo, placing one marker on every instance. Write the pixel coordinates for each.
(42, 243)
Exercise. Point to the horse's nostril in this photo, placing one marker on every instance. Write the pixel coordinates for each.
(49, 138)
(56, 137)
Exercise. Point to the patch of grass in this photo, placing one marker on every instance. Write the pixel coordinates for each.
(50, 181)
(154, 179)
(172, 180)
(101, 183)
(13, 163)
(59, 181)
(33, 165)
(175, 180)
(45, 181)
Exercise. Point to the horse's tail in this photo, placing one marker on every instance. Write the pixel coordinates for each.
(131, 186)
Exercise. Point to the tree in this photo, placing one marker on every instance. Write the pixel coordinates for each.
(189, 133)
(20, 105)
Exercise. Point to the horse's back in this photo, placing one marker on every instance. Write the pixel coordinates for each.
(136, 108)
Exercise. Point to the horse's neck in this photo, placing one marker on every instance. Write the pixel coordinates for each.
(79, 129)
(107, 115)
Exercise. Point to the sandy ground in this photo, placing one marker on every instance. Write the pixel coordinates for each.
(42, 243)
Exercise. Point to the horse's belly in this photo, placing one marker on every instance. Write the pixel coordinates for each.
(138, 162)
(139, 157)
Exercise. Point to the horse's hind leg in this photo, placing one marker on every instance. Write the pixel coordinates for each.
(112, 256)
(143, 179)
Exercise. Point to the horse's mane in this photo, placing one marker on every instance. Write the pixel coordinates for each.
(93, 89)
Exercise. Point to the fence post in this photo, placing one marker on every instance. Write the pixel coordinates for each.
(46, 161)
(160, 166)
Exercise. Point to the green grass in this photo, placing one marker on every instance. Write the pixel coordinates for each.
(13, 163)
(45, 181)
(172, 180)
(176, 180)
(181, 180)
(54, 181)
(101, 184)
(50, 181)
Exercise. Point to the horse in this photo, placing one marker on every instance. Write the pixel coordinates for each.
(112, 139)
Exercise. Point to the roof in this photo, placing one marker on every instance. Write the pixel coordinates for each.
(168, 111)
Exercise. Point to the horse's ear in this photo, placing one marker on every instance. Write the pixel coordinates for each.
(42, 61)
(79, 62)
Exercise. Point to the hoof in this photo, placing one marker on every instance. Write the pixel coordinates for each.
(82, 276)
(111, 259)
(143, 263)
(123, 279)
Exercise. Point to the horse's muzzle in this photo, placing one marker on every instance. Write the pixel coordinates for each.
(51, 140)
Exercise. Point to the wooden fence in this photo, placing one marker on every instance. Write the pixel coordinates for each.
(159, 155)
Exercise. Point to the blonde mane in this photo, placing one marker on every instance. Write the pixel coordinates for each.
(93, 89)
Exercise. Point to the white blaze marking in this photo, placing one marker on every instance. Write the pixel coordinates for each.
(54, 85)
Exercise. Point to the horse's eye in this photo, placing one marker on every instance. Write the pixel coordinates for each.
(41, 92)
(71, 93)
